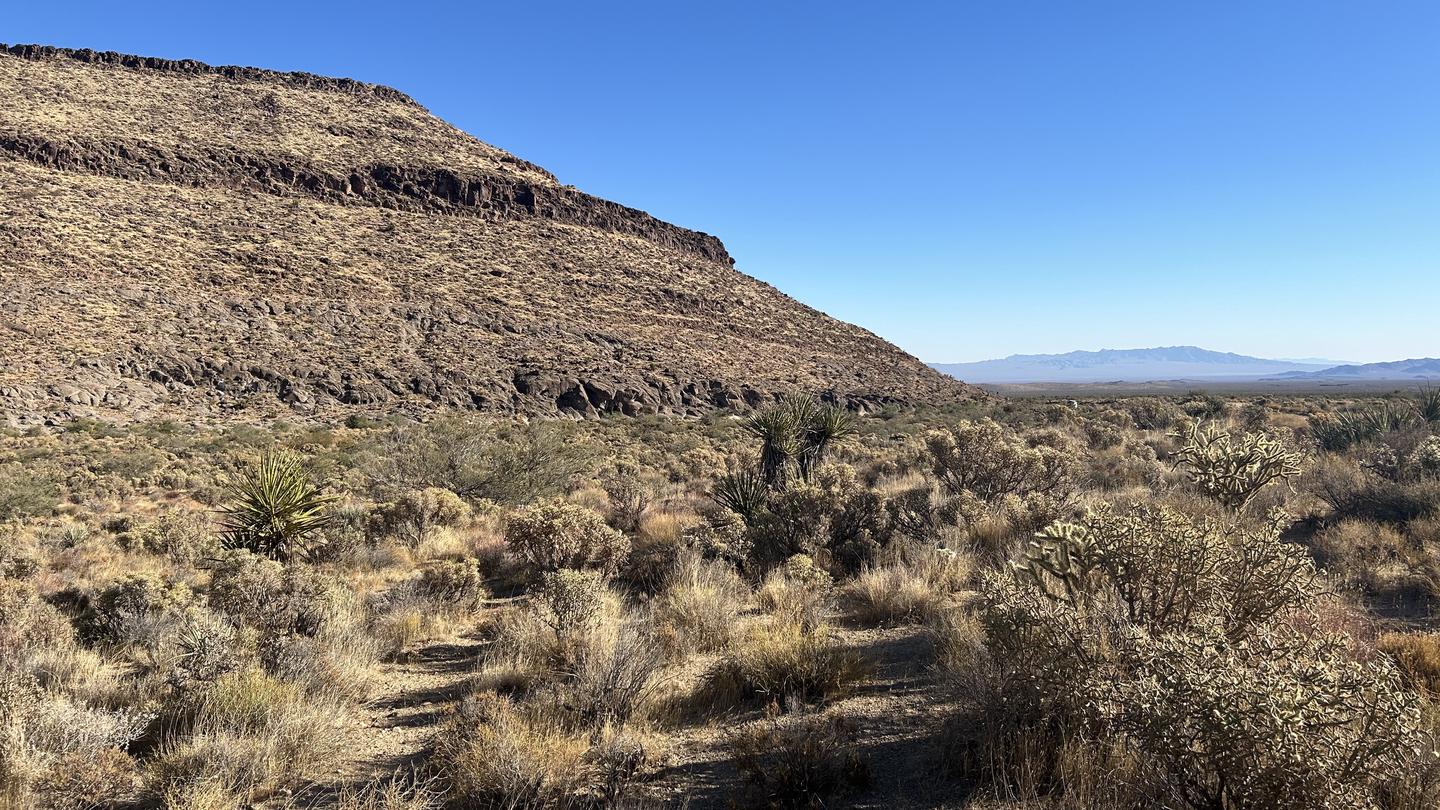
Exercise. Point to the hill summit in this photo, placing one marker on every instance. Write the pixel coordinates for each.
(177, 238)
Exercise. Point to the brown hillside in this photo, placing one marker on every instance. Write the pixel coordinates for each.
(182, 239)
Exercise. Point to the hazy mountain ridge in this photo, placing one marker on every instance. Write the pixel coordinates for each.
(1419, 368)
(1130, 365)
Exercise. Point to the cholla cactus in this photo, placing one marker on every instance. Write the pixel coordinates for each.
(1167, 571)
(1063, 553)
(1427, 458)
(1284, 719)
(1233, 470)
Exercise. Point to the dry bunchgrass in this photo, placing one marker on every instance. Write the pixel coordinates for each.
(1418, 655)
(495, 753)
(913, 586)
(249, 733)
(701, 602)
(781, 660)
(793, 600)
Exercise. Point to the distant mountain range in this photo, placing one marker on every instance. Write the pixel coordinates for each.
(1420, 368)
(1176, 363)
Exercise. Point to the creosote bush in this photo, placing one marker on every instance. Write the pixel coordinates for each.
(554, 534)
(417, 514)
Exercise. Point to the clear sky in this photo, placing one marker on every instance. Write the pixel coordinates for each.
(968, 179)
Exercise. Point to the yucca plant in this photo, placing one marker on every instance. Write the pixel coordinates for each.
(1427, 407)
(743, 493)
(826, 426)
(779, 433)
(277, 511)
(1387, 417)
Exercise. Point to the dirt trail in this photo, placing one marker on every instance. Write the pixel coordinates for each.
(897, 710)
(398, 725)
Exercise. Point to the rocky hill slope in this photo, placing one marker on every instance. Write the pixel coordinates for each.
(181, 239)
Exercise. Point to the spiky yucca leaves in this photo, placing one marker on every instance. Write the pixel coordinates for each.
(796, 435)
(779, 433)
(826, 426)
(1427, 406)
(1231, 469)
(743, 493)
(277, 511)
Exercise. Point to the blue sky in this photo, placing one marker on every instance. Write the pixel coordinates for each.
(968, 179)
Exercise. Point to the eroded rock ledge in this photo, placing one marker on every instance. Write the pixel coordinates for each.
(406, 188)
(308, 81)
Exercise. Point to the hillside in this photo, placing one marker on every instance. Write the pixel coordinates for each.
(1126, 365)
(180, 239)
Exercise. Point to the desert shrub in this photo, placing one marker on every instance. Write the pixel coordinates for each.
(701, 601)
(1353, 492)
(19, 559)
(780, 660)
(1187, 643)
(1377, 560)
(1417, 655)
(479, 460)
(457, 584)
(1152, 414)
(275, 599)
(24, 494)
(830, 516)
(554, 534)
(984, 459)
(628, 495)
(915, 586)
(925, 513)
(28, 623)
(56, 752)
(722, 536)
(570, 602)
(1233, 470)
(417, 514)
(182, 536)
(495, 753)
(141, 613)
(1103, 436)
(276, 510)
(801, 762)
(88, 779)
(207, 647)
